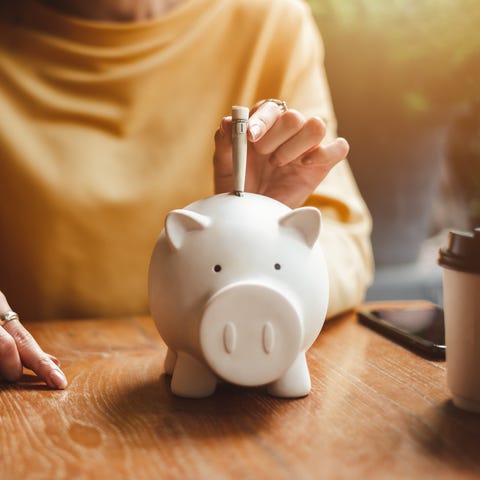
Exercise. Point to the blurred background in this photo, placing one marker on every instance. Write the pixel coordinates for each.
(405, 81)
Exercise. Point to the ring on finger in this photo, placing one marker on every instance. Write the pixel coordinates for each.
(9, 317)
(281, 103)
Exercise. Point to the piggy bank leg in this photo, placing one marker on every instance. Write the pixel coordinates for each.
(191, 378)
(170, 361)
(295, 382)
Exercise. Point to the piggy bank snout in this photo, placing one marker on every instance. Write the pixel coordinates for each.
(250, 334)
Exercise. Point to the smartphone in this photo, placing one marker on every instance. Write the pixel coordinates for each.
(419, 328)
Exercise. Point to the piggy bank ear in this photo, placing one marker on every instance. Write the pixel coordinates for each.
(305, 221)
(179, 223)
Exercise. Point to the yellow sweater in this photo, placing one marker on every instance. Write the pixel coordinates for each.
(106, 127)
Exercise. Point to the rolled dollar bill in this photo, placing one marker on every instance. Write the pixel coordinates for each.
(239, 147)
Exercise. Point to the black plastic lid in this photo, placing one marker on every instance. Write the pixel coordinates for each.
(462, 252)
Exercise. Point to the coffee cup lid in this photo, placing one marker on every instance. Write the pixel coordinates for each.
(462, 252)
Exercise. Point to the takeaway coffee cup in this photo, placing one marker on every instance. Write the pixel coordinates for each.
(461, 298)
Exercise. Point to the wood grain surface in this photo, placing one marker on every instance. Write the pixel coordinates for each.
(376, 411)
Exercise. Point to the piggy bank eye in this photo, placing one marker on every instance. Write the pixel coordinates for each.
(217, 268)
(277, 266)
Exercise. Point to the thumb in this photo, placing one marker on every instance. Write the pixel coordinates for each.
(222, 158)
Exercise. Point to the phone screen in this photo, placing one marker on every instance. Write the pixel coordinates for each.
(421, 329)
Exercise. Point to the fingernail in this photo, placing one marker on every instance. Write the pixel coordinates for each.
(58, 379)
(255, 131)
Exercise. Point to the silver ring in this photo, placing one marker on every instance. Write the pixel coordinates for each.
(9, 316)
(281, 103)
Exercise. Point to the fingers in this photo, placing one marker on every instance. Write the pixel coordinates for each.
(34, 358)
(287, 127)
(293, 183)
(54, 359)
(19, 348)
(284, 135)
(277, 138)
(292, 138)
(328, 155)
(306, 138)
(10, 364)
(262, 120)
(4, 306)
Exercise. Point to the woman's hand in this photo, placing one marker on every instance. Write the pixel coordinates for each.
(285, 158)
(18, 349)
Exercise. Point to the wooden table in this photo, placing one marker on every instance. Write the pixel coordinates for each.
(376, 411)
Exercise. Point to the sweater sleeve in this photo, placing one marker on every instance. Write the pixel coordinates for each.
(346, 226)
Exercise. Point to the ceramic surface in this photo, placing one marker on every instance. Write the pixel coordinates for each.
(238, 289)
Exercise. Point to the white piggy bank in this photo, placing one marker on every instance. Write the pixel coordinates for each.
(238, 289)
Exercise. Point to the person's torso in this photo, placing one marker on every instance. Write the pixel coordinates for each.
(104, 128)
